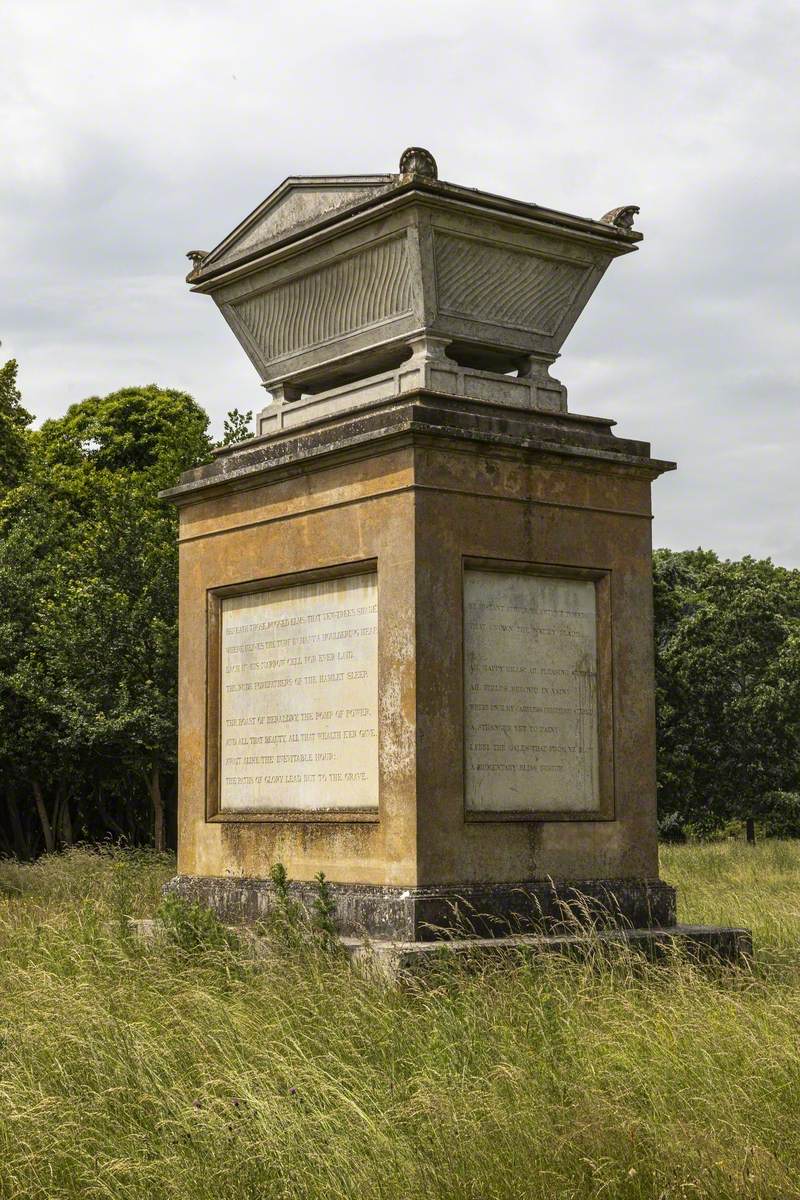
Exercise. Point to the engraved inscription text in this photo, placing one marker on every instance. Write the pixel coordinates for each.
(530, 693)
(299, 697)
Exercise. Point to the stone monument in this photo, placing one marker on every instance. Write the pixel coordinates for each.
(416, 644)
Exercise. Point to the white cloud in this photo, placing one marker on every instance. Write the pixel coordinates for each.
(133, 132)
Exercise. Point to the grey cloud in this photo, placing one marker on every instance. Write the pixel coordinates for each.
(133, 133)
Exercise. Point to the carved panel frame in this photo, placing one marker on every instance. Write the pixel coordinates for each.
(213, 740)
(605, 690)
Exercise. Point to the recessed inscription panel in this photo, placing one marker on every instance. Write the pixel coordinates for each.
(530, 693)
(299, 697)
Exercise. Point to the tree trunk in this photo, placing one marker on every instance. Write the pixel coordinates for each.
(21, 847)
(66, 823)
(172, 813)
(44, 820)
(750, 828)
(159, 823)
(55, 819)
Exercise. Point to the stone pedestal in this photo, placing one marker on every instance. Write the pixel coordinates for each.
(461, 716)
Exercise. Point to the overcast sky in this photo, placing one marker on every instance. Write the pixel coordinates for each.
(131, 133)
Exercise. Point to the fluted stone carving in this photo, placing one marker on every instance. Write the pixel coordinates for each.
(348, 295)
(506, 287)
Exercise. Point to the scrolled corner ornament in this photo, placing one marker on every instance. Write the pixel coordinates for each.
(196, 258)
(622, 217)
(420, 162)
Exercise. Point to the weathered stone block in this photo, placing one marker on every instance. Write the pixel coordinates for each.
(429, 913)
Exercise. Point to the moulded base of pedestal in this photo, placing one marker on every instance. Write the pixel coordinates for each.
(703, 944)
(425, 914)
(394, 960)
(442, 376)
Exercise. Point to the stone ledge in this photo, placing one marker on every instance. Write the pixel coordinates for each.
(415, 416)
(706, 945)
(426, 914)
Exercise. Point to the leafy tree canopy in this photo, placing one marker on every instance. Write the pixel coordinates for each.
(237, 427)
(152, 430)
(88, 624)
(14, 421)
(728, 684)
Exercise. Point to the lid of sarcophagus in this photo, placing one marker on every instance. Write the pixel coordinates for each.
(303, 203)
(297, 202)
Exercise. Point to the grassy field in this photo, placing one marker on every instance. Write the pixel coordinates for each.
(167, 1072)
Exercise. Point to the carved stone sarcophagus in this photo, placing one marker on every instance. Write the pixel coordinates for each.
(344, 290)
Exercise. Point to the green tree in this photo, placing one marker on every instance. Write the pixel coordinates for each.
(236, 427)
(728, 685)
(34, 531)
(150, 432)
(88, 659)
(14, 421)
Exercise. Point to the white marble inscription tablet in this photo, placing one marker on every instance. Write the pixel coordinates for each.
(530, 698)
(299, 697)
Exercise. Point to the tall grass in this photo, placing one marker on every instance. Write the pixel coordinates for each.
(152, 1072)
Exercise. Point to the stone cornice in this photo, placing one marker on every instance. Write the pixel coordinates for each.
(418, 418)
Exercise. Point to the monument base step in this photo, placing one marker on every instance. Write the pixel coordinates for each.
(705, 944)
(428, 913)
